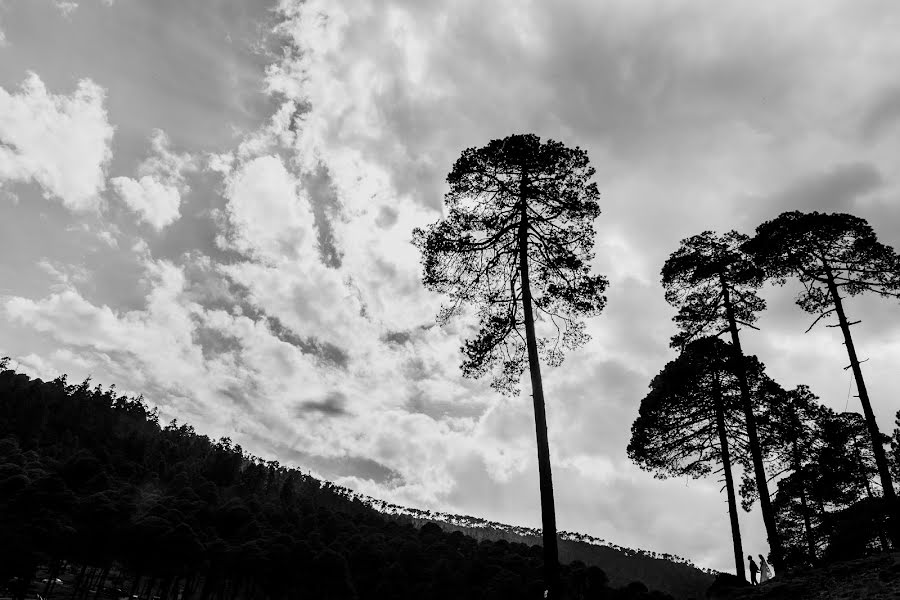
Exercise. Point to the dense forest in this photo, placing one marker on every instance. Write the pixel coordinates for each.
(98, 499)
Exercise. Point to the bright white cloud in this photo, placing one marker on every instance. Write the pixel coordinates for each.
(268, 215)
(157, 203)
(156, 195)
(62, 143)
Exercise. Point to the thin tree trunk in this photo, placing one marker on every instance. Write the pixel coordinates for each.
(864, 478)
(188, 582)
(76, 583)
(135, 585)
(88, 583)
(207, 589)
(798, 468)
(148, 588)
(729, 481)
(881, 462)
(762, 487)
(548, 509)
(52, 573)
(102, 581)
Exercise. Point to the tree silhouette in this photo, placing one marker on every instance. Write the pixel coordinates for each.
(517, 244)
(790, 423)
(895, 445)
(831, 255)
(713, 284)
(687, 420)
(850, 461)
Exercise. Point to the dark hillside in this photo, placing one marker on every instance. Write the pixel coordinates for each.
(99, 500)
(664, 572)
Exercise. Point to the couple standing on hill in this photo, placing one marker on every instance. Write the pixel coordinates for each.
(764, 572)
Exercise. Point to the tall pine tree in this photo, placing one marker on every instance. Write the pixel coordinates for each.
(516, 243)
(713, 283)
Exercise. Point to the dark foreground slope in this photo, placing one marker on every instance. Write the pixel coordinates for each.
(95, 492)
(874, 577)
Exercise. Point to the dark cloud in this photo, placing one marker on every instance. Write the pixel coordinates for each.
(835, 190)
(396, 337)
(332, 405)
(335, 467)
(386, 218)
(326, 352)
(325, 207)
(838, 189)
(882, 116)
(212, 289)
(213, 342)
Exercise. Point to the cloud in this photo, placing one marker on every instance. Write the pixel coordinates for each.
(66, 7)
(156, 196)
(155, 202)
(835, 190)
(269, 219)
(882, 115)
(332, 405)
(62, 143)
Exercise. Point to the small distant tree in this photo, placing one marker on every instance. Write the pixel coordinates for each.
(714, 284)
(833, 256)
(516, 244)
(691, 420)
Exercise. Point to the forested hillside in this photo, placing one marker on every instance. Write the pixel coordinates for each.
(96, 493)
(622, 565)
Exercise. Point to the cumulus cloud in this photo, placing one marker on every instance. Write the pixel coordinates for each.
(156, 195)
(60, 142)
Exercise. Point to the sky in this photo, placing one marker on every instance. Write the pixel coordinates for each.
(211, 203)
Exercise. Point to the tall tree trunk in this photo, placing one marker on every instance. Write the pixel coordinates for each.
(52, 574)
(88, 583)
(135, 585)
(759, 471)
(548, 509)
(102, 581)
(864, 479)
(881, 462)
(79, 581)
(729, 481)
(804, 505)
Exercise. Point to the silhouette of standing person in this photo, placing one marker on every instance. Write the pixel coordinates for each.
(753, 570)
(764, 572)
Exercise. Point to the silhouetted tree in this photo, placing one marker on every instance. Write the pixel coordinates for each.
(687, 419)
(790, 423)
(848, 464)
(713, 284)
(895, 446)
(831, 255)
(517, 239)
